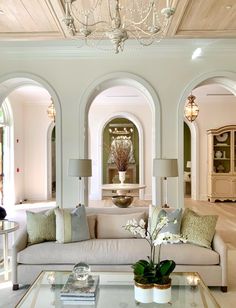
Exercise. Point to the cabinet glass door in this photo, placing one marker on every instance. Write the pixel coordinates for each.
(222, 153)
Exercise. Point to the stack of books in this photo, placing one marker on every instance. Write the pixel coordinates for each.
(80, 293)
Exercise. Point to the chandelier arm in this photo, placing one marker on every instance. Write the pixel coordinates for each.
(144, 32)
(86, 24)
(109, 8)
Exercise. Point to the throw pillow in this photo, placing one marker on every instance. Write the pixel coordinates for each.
(198, 229)
(41, 226)
(92, 225)
(71, 226)
(155, 212)
(171, 227)
(112, 226)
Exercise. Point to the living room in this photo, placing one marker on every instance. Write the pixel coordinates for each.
(89, 88)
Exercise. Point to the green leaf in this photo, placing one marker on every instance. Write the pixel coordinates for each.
(165, 268)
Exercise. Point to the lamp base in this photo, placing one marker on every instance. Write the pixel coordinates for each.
(165, 206)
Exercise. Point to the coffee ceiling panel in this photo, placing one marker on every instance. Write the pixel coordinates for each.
(27, 18)
(211, 18)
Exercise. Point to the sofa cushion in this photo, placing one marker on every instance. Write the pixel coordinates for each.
(96, 251)
(112, 226)
(71, 226)
(41, 226)
(113, 251)
(198, 229)
(189, 254)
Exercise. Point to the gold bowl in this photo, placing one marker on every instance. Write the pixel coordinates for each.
(122, 200)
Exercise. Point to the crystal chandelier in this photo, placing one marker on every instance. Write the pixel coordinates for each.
(51, 111)
(191, 109)
(145, 21)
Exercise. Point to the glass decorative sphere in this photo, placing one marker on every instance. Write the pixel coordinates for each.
(81, 271)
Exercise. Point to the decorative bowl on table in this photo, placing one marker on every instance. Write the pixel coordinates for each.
(122, 200)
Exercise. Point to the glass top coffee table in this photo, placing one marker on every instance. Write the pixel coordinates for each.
(116, 290)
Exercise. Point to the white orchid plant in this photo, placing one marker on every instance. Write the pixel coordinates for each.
(149, 271)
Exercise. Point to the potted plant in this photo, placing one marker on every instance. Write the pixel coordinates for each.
(151, 276)
(121, 153)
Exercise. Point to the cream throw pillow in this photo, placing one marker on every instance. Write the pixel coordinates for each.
(41, 226)
(112, 225)
(198, 229)
(92, 225)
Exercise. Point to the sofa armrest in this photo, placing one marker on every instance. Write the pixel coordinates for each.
(19, 244)
(220, 246)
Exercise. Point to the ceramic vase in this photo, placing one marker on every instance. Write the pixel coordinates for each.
(143, 293)
(122, 176)
(162, 293)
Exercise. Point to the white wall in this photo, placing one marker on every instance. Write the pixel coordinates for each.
(30, 152)
(103, 108)
(68, 71)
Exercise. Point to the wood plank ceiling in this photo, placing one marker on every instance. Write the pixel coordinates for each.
(42, 19)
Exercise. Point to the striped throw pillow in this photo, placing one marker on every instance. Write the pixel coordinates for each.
(71, 225)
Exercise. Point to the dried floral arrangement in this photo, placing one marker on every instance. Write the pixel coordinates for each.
(121, 152)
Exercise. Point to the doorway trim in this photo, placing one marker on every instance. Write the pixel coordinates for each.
(116, 79)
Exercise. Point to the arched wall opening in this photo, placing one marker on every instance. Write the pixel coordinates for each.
(96, 191)
(122, 79)
(14, 81)
(228, 81)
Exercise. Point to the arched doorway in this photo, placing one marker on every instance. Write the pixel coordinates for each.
(11, 83)
(206, 120)
(152, 102)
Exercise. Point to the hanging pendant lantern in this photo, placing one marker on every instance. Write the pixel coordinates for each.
(51, 111)
(191, 109)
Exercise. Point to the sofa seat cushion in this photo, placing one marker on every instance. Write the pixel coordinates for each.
(94, 251)
(188, 254)
(113, 251)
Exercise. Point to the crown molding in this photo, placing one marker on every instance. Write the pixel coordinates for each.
(171, 48)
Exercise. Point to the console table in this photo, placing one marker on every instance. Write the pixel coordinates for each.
(6, 227)
(123, 189)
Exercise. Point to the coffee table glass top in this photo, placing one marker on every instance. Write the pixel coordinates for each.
(116, 290)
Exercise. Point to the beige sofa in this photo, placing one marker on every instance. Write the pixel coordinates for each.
(118, 254)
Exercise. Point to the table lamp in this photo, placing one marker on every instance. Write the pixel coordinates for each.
(80, 168)
(165, 168)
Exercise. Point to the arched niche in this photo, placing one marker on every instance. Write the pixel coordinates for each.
(223, 78)
(12, 81)
(97, 184)
(117, 79)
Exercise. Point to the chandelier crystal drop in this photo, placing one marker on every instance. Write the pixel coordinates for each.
(145, 21)
(191, 109)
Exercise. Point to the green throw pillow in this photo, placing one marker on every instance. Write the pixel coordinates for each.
(198, 229)
(71, 226)
(41, 226)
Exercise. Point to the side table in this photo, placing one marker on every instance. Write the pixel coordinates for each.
(6, 226)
